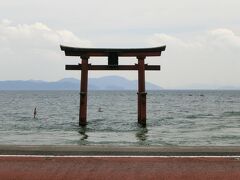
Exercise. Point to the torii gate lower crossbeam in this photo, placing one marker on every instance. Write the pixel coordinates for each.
(113, 55)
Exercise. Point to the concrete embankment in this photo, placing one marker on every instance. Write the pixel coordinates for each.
(118, 150)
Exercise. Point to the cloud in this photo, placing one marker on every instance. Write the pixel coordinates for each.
(211, 57)
(28, 49)
(224, 38)
(37, 35)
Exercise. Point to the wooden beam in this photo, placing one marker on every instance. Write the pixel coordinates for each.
(83, 93)
(74, 51)
(141, 92)
(113, 68)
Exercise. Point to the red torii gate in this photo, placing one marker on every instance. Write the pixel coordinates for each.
(112, 54)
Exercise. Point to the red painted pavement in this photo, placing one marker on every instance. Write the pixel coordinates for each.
(57, 168)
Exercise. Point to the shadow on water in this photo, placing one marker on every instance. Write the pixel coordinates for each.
(141, 133)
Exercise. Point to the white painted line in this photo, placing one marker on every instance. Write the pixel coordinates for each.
(65, 156)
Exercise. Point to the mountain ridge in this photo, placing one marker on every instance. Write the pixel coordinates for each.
(102, 83)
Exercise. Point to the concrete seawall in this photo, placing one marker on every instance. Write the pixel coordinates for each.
(118, 151)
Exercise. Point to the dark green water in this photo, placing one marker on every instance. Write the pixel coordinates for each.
(175, 118)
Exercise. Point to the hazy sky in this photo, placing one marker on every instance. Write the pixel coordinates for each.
(202, 38)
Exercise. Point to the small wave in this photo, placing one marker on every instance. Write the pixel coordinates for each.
(167, 118)
(214, 128)
(231, 113)
(26, 118)
(195, 116)
(231, 101)
(93, 121)
(225, 137)
(191, 116)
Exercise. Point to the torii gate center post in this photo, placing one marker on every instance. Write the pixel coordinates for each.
(113, 55)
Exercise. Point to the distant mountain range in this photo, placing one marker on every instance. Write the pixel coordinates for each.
(103, 83)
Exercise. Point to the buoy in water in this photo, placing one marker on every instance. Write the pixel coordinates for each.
(34, 112)
(100, 110)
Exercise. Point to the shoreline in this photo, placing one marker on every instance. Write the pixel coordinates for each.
(106, 150)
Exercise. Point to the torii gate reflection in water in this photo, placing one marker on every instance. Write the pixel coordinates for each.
(113, 54)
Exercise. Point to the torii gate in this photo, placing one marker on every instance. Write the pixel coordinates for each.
(112, 54)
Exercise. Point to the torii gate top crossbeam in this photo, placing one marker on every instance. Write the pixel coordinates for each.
(74, 51)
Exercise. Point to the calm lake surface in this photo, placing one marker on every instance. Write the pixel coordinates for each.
(174, 118)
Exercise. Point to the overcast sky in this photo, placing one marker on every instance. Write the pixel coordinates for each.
(202, 38)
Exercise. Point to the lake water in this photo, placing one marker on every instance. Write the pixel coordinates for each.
(174, 118)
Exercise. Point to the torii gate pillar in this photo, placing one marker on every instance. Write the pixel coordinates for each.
(83, 93)
(141, 91)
